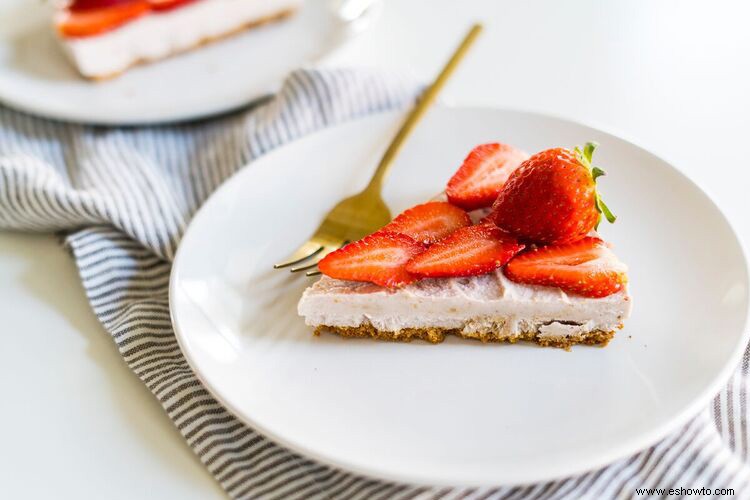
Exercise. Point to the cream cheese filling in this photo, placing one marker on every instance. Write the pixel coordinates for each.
(474, 305)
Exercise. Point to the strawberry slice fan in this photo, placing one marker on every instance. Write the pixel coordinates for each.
(546, 204)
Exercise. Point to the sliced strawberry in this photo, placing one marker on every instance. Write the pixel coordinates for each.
(164, 5)
(89, 22)
(482, 176)
(586, 267)
(469, 251)
(82, 5)
(378, 258)
(429, 222)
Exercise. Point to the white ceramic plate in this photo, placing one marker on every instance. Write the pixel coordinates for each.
(35, 75)
(458, 413)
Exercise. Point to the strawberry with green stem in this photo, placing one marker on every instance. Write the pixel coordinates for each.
(552, 197)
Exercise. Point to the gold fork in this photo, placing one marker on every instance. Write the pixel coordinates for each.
(359, 215)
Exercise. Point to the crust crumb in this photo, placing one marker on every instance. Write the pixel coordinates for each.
(437, 335)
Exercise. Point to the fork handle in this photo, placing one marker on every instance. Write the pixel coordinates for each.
(423, 104)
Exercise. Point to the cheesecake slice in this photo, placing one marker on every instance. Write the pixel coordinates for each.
(103, 38)
(446, 267)
(490, 308)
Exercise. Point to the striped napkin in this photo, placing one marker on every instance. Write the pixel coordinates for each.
(123, 197)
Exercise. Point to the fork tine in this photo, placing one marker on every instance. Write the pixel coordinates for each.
(312, 273)
(306, 251)
(302, 268)
(328, 249)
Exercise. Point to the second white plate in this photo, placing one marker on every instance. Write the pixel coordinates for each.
(35, 75)
(462, 412)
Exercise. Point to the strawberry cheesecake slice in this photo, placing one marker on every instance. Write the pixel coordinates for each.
(532, 268)
(103, 38)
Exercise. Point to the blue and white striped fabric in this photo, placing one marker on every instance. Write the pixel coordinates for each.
(123, 198)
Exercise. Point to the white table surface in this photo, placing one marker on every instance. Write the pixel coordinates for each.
(671, 75)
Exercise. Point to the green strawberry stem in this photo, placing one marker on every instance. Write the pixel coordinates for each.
(597, 172)
(584, 156)
(611, 218)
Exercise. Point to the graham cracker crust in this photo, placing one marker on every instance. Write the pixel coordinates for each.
(437, 335)
(278, 16)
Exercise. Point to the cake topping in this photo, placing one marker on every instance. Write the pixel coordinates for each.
(552, 197)
(482, 175)
(379, 258)
(83, 5)
(92, 17)
(469, 251)
(586, 267)
(549, 199)
(429, 222)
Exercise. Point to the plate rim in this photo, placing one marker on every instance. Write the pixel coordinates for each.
(635, 445)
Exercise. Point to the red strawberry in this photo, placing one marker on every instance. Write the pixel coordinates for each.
(378, 258)
(82, 5)
(469, 251)
(552, 198)
(429, 222)
(93, 21)
(482, 175)
(586, 267)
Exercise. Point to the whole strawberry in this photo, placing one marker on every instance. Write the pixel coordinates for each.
(551, 198)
